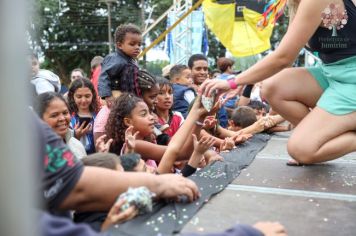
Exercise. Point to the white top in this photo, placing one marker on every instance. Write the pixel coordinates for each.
(189, 96)
(46, 81)
(256, 94)
(74, 145)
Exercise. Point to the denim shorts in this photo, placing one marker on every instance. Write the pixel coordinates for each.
(338, 80)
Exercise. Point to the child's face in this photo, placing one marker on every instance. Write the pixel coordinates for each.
(131, 45)
(165, 98)
(259, 113)
(150, 97)
(186, 77)
(141, 119)
(83, 97)
(57, 116)
(76, 75)
(200, 71)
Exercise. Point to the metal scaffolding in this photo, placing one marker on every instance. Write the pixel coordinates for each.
(181, 39)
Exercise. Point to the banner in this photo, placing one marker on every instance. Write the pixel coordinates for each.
(241, 37)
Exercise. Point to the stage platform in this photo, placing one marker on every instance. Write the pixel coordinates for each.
(310, 200)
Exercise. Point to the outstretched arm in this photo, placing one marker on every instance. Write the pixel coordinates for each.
(109, 184)
(297, 36)
(178, 140)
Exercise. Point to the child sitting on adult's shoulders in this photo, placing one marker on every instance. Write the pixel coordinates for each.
(119, 69)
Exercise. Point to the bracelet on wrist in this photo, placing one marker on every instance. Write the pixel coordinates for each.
(232, 83)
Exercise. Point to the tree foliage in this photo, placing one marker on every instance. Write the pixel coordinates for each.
(69, 33)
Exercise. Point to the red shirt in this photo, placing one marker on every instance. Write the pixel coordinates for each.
(175, 122)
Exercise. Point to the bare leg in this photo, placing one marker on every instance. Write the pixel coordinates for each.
(291, 93)
(321, 136)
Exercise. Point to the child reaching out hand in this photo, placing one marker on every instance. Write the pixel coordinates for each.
(132, 111)
(116, 216)
(133, 162)
(197, 158)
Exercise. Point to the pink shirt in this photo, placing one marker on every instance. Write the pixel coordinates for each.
(99, 127)
(101, 120)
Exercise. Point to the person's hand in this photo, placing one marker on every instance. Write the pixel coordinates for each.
(212, 156)
(271, 228)
(116, 216)
(209, 86)
(231, 94)
(203, 144)
(217, 106)
(109, 101)
(202, 162)
(130, 140)
(228, 144)
(101, 145)
(241, 138)
(269, 122)
(259, 126)
(172, 186)
(199, 109)
(209, 122)
(81, 130)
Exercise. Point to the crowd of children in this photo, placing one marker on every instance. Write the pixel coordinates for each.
(132, 121)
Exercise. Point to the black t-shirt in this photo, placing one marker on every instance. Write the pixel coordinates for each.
(338, 42)
(60, 169)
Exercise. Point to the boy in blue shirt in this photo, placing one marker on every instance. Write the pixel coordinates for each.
(183, 93)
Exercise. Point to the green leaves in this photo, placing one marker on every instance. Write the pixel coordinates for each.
(69, 33)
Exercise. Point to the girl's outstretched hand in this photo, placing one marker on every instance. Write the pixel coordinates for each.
(203, 144)
(117, 216)
(228, 144)
(241, 138)
(198, 108)
(130, 140)
(101, 145)
(212, 156)
(269, 122)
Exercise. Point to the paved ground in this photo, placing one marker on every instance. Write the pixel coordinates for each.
(314, 200)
